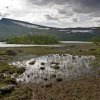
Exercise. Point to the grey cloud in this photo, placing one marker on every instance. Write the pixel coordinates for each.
(4, 14)
(49, 17)
(92, 4)
(45, 2)
(7, 7)
(96, 14)
(65, 12)
(0, 14)
(80, 6)
(85, 6)
(75, 20)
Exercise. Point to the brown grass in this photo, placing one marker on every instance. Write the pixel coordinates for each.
(85, 88)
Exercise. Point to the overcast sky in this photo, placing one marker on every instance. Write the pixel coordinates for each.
(55, 13)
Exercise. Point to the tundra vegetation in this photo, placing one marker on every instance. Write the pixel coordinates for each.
(33, 39)
(86, 87)
(96, 40)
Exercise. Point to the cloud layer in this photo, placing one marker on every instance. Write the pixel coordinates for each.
(55, 13)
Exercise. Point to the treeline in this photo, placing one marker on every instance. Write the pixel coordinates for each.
(33, 39)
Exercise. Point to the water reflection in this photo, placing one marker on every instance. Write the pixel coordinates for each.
(56, 67)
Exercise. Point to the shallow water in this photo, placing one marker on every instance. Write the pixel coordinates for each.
(53, 67)
(76, 42)
(3, 44)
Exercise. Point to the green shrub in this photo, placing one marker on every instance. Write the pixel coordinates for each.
(33, 39)
(96, 40)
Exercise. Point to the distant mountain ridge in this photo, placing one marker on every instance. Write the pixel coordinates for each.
(17, 22)
(10, 28)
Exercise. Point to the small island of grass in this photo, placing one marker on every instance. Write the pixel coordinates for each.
(33, 39)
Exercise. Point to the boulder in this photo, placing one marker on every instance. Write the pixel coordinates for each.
(7, 89)
(10, 52)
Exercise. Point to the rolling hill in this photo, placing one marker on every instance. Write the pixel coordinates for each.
(10, 28)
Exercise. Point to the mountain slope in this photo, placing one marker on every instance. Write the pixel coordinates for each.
(10, 28)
